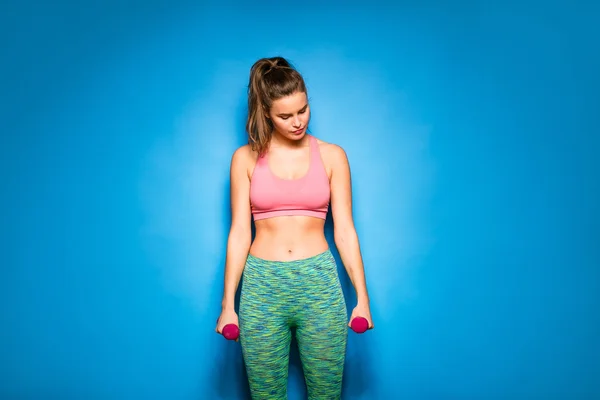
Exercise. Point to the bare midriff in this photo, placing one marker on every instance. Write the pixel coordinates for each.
(289, 238)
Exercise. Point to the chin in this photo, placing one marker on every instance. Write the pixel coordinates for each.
(293, 136)
(298, 136)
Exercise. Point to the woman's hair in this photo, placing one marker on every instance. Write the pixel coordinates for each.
(270, 79)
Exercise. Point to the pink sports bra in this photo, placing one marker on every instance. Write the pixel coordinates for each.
(272, 196)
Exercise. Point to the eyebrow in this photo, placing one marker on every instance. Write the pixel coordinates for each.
(285, 114)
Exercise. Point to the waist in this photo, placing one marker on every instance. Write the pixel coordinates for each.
(289, 238)
(314, 276)
(322, 259)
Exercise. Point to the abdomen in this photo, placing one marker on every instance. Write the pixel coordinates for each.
(288, 238)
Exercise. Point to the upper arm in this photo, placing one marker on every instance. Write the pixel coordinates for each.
(240, 190)
(341, 189)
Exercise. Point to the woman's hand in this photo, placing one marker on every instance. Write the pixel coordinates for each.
(227, 316)
(362, 310)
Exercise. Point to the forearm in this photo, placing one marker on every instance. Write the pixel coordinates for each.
(238, 245)
(347, 243)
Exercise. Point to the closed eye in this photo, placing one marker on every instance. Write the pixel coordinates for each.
(286, 116)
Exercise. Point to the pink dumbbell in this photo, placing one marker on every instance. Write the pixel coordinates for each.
(359, 325)
(231, 332)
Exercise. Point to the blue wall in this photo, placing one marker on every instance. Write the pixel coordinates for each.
(472, 131)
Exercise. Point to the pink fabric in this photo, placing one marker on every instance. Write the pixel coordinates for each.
(271, 196)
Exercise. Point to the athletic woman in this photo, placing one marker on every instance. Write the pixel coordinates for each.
(286, 180)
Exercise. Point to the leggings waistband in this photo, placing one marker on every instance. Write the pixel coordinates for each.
(316, 271)
(325, 256)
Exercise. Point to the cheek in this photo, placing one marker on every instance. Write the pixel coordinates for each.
(305, 117)
(280, 125)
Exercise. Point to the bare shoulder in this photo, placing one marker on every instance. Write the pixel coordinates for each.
(332, 154)
(242, 152)
(243, 158)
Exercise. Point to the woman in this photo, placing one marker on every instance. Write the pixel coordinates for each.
(286, 179)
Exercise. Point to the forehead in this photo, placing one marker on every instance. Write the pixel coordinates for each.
(289, 104)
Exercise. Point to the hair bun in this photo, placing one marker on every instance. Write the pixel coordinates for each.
(279, 62)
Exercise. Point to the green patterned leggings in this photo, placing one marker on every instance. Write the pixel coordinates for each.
(277, 296)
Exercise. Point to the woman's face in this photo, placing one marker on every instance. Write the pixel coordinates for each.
(290, 115)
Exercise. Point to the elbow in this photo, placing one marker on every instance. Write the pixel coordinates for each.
(240, 236)
(344, 234)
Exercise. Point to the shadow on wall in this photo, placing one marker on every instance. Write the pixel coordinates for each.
(228, 379)
(229, 375)
(357, 361)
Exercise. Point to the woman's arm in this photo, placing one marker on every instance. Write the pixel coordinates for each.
(240, 234)
(345, 236)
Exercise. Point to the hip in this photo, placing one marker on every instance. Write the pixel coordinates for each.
(315, 275)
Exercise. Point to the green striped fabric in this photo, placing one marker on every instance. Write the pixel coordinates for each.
(306, 295)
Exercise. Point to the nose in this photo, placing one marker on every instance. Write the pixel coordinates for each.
(296, 122)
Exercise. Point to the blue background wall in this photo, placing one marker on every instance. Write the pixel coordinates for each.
(472, 131)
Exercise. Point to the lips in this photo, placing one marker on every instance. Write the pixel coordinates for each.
(299, 131)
